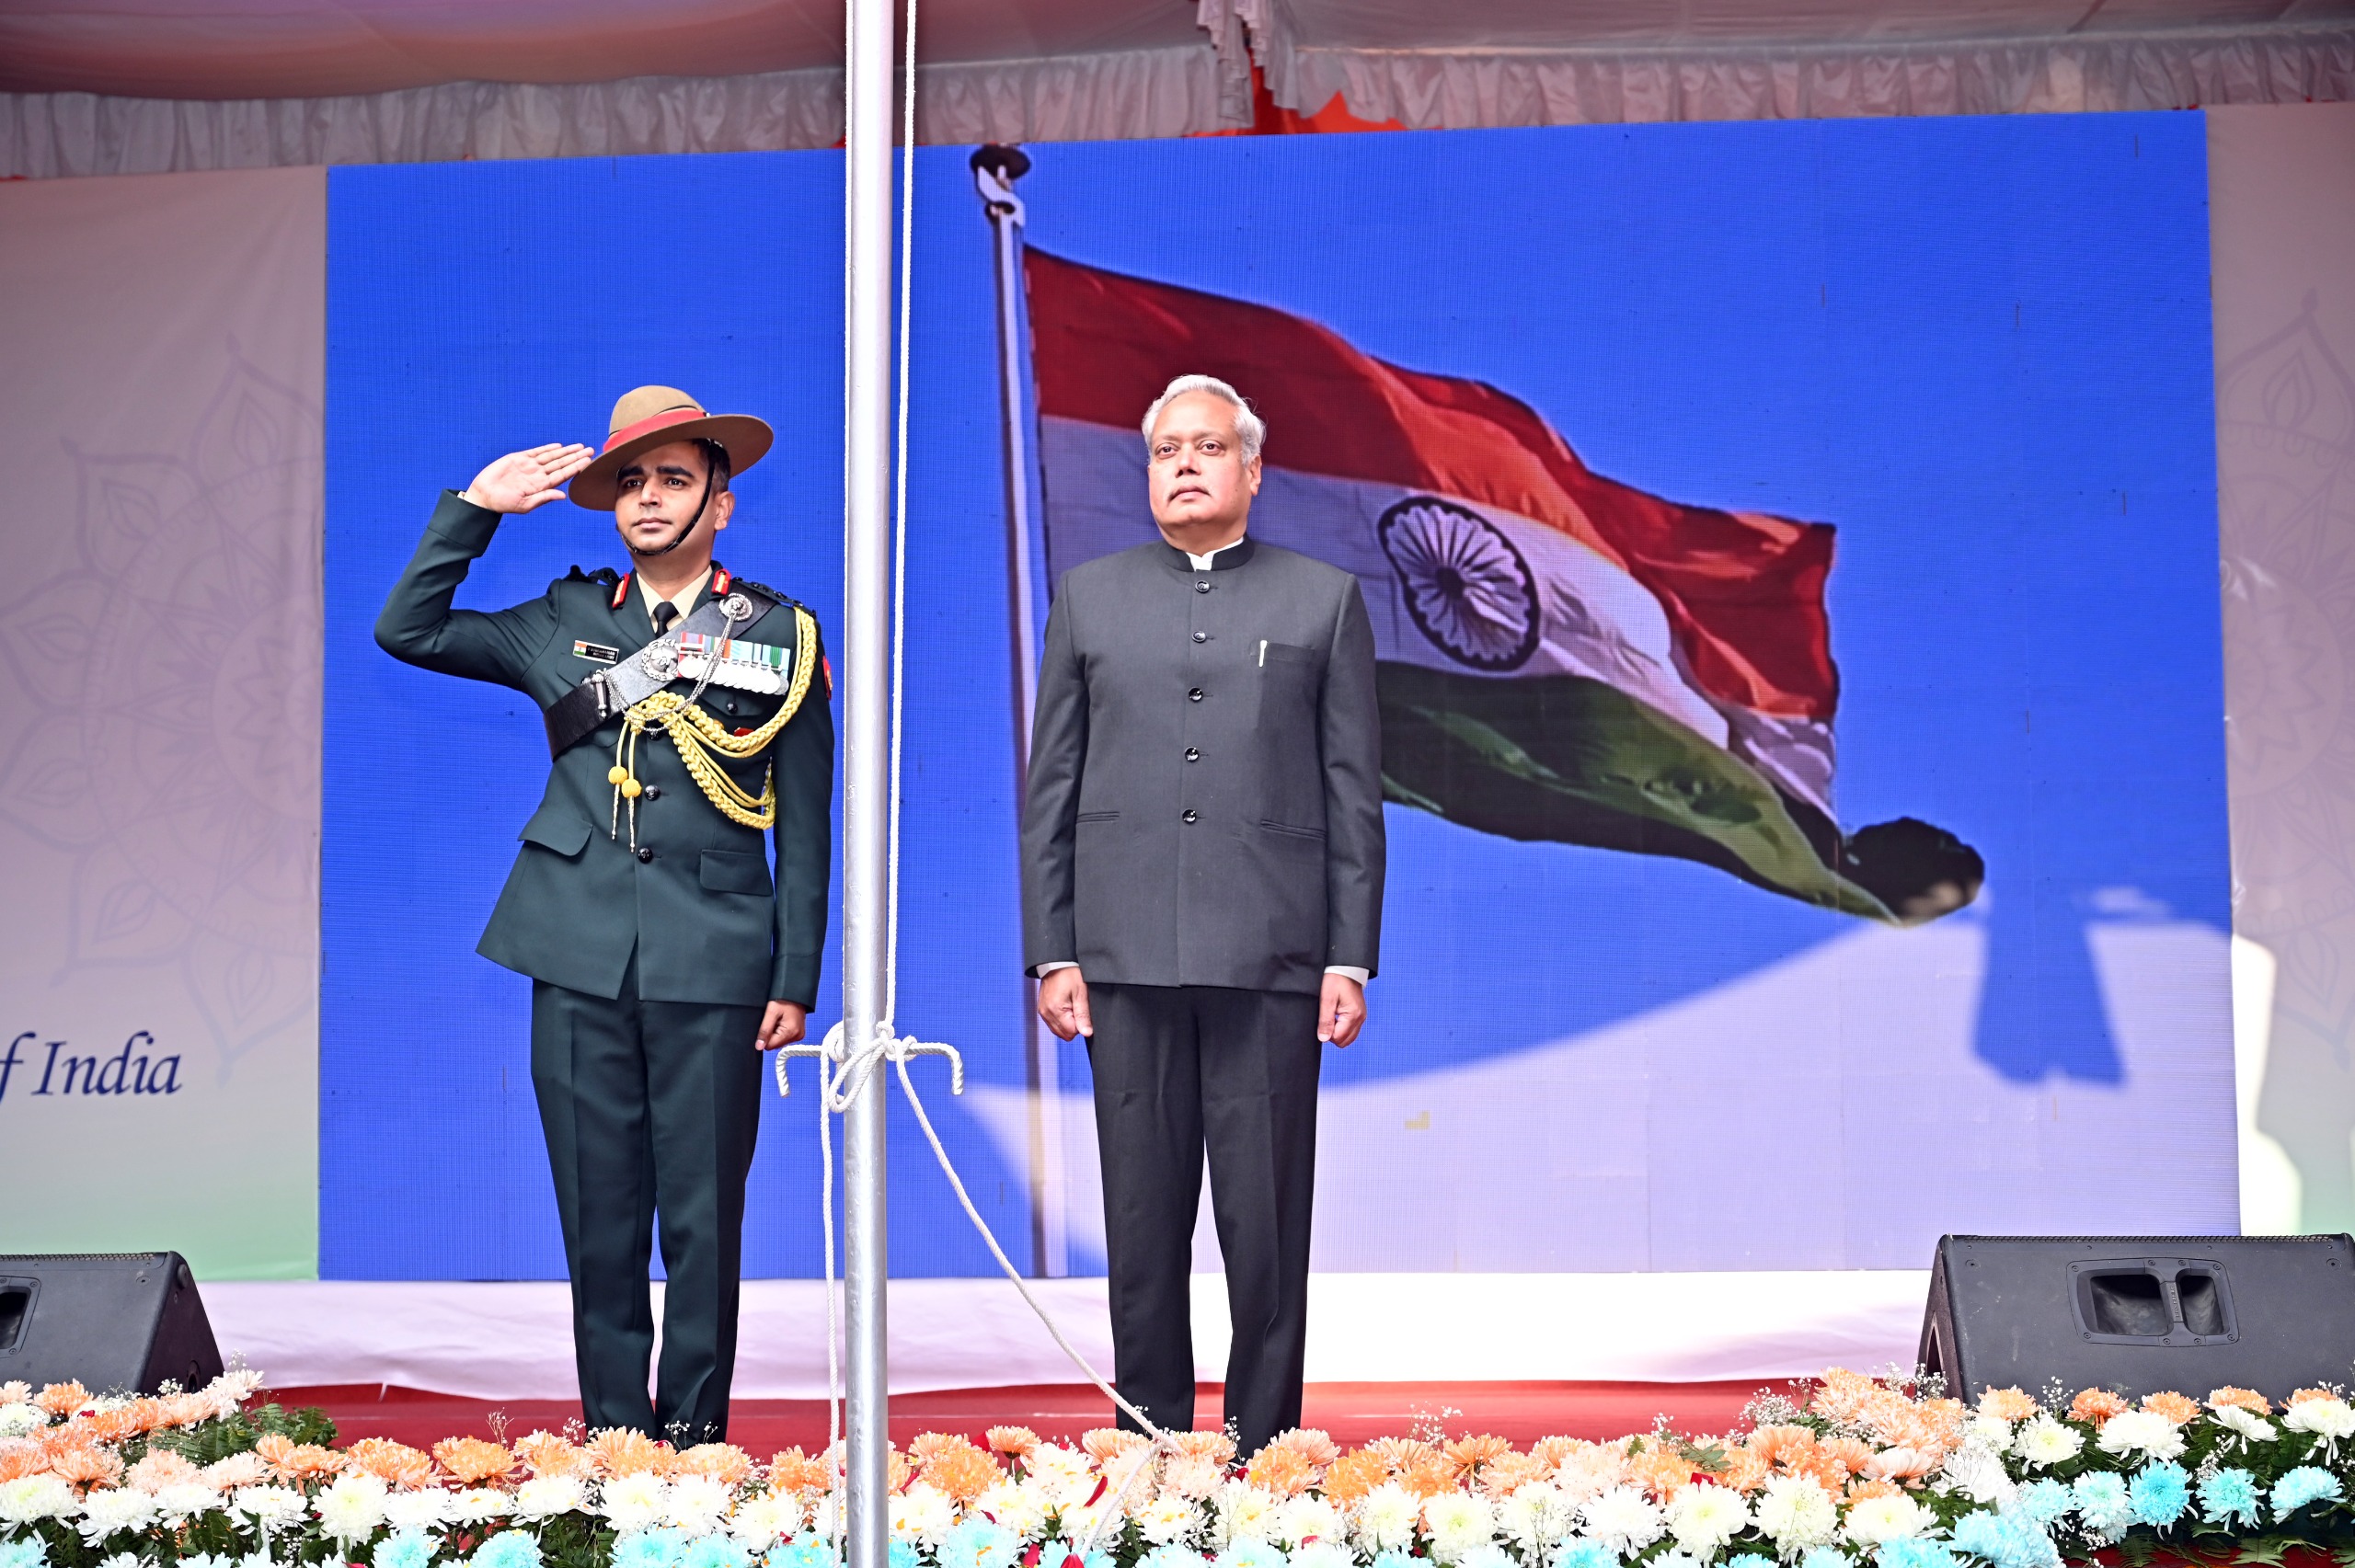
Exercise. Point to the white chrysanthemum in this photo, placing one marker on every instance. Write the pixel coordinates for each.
(2141, 1431)
(231, 1388)
(1675, 1560)
(1299, 1519)
(15, 1420)
(418, 1510)
(1992, 1430)
(1876, 1519)
(763, 1519)
(633, 1503)
(1456, 1522)
(1168, 1521)
(1245, 1512)
(2247, 1423)
(477, 1506)
(1322, 1554)
(696, 1505)
(184, 1500)
(1795, 1513)
(121, 1559)
(1064, 1475)
(2331, 1418)
(546, 1496)
(1015, 1505)
(1977, 1472)
(351, 1507)
(824, 1518)
(1535, 1517)
(2042, 1441)
(922, 1516)
(108, 1509)
(31, 1497)
(1703, 1516)
(1621, 1520)
(1383, 1519)
(270, 1507)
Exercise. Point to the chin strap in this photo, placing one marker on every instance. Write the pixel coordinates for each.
(685, 533)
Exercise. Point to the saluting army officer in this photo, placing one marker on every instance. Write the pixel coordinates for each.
(687, 714)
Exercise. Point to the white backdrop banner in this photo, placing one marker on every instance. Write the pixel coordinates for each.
(159, 709)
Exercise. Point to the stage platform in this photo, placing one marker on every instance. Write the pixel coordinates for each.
(1352, 1413)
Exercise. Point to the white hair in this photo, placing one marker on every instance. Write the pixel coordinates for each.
(1250, 431)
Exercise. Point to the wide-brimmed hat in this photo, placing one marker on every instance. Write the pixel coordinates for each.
(656, 416)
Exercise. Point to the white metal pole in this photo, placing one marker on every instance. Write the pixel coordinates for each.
(995, 169)
(867, 753)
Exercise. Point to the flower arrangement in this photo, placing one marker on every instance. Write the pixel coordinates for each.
(1853, 1471)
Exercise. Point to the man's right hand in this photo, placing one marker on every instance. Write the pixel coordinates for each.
(1062, 1002)
(523, 481)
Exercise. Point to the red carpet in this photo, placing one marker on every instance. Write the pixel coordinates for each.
(1352, 1413)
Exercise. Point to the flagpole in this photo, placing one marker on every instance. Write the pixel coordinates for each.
(866, 754)
(995, 169)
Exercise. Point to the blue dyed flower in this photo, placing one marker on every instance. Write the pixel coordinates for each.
(403, 1548)
(1600, 1558)
(2046, 1502)
(802, 1551)
(1749, 1560)
(2305, 1484)
(2159, 1493)
(646, 1548)
(2101, 1501)
(508, 1549)
(713, 1551)
(2229, 1496)
(1488, 1554)
(30, 1552)
(1916, 1553)
(978, 1541)
(2005, 1540)
(1825, 1557)
(903, 1554)
(1244, 1553)
(1176, 1556)
(1575, 1554)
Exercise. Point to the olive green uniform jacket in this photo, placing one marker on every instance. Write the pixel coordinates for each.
(695, 900)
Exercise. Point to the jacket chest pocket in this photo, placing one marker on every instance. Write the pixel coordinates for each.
(1288, 680)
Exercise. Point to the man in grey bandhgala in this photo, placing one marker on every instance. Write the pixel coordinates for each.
(1203, 865)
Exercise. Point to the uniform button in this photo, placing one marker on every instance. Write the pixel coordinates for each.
(645, 854)
(1187, 815)
(1193, 755)
(1201, 587)
(1195, 695)
(1201, 636)
(653, 792)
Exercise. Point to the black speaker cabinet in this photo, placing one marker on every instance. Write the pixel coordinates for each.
(115, 1322)
(2141, 1313)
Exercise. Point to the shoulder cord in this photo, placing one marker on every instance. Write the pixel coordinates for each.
(697, 735)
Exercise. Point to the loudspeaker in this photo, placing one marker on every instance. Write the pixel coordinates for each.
(2137, 1314)
(115, 1322)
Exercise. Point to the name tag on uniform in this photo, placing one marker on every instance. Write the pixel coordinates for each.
(595, 653)
(765, 668)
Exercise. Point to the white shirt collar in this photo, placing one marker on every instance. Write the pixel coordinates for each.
(1202, 563)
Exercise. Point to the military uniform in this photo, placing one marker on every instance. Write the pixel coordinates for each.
(655, 933)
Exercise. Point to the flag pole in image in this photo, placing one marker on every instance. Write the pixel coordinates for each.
(995, 169)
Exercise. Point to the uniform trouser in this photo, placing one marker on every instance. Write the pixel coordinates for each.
(1179, 1071)
(650, 1107)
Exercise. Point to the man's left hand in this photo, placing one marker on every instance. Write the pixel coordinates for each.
(1341, 1010)
(782, 1024)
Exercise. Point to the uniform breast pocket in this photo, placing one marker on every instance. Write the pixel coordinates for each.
(1289, 679)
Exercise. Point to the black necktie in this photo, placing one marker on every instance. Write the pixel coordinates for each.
(664, 613)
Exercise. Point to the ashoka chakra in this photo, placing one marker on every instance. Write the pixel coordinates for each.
(1465, 584)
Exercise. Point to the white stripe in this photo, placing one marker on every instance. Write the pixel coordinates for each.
(1597, 622)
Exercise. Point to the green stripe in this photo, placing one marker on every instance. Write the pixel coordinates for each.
(1564, 760)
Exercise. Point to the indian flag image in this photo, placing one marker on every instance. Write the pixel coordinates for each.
(1562, 657)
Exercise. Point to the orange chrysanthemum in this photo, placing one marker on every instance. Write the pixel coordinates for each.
(161, 1468)
(1398, 1453)
(1844, 1396)
(1508, 1473)
(16, 1392)
(475, 1460)
(1661, 1471)
(546, 1455)
(110, 1425)
(622, 1451)
(1110, 1442)
(62, 1398)
(396, 1464)
(925, 1446)
(1215, 1447)
(86, 1466)
(723, 1462)
(2006, 1404)
(1551, 1451)
(902, 1471)
(1317, 1447)
(1745, 1472)
(796, 1471)
(1353, 1475)
(2303, 1396)
(2096, 1406)
(237, 1469)
(1860, 1490)
(964, 1472)
(1429, 1476)
(1467, 1455)
(1781, 1447)
(1280, 1471)
(2246, 1399)
(2177, 1408)
(1851, 1454)
(1019, 1442)
(18, 1460)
